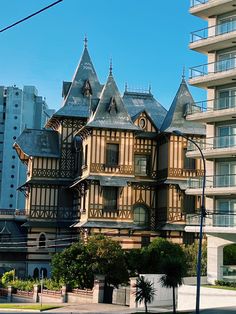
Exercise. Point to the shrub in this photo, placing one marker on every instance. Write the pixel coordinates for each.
(52, 284)
(7, 277)
(225, 283)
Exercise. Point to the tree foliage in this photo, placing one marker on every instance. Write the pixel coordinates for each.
(7, 277)
(78, 264)
(230, 254)
(191, 254)
(144, 291)
(155, 254)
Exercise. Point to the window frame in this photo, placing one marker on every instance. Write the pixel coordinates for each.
(146, 220)
(148, 165)
(110, 160)
(110, 204)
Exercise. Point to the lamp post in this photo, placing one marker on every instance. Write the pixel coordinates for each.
(202, 215)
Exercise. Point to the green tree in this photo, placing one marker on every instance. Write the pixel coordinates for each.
(144, 291)
(134, 261)
(157, 251)
(191, 253)
(78, 264)
(230, 254)
(72, 266)
(173, 270)
(107, 258)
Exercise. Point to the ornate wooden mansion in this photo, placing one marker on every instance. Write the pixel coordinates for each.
(107, 163)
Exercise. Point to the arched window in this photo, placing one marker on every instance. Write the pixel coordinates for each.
(140, 215)
(36, 273)
(42, 240)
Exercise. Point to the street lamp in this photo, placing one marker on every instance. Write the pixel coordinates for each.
(202, 215)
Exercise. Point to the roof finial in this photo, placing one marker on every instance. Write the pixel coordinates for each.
(110, 68)
(85, 41)
(183, 75)
(149, 88)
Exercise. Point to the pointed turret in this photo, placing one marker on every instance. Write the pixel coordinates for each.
(175, 117)
(111, 112)
(82, 94)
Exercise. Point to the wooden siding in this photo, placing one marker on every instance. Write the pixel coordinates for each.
(148, 125)
(177, 144)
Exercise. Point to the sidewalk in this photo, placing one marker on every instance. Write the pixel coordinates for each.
(101, 308)
(210, 298)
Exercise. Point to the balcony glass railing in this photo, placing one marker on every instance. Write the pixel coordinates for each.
(216, 181)
(217, 142)
(212, 105)
(194, 3)
(213, 220)
(224, 220)
(213, 67)
(213, 31)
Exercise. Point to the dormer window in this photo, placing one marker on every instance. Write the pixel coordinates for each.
(112, 106)
(87, 90)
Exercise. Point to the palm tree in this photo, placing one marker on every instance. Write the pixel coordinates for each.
(144, 291)
(174, 270)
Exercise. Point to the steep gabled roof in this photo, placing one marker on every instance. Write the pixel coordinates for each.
(76, 103)
(135, 103)
(37, 143)
(175, 118)
(111, 112)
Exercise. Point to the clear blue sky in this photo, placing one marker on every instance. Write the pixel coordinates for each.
(146, 39)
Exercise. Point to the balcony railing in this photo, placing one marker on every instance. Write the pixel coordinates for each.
(216, 181)
(212, 105)
(213, 67)
(194, 3)
(226, 220)
(213, 220)
(216, 142)
(213, 31)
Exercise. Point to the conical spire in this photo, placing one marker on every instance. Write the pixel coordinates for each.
(175, 117)
(84, 91)
(111, 112)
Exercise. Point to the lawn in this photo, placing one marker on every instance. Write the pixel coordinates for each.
(219, 287)
(29, 306)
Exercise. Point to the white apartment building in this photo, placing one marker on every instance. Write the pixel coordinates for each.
(218, 76)
(19, 109)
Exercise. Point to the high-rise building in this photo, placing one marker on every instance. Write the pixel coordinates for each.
(218, 77)
(19, 109)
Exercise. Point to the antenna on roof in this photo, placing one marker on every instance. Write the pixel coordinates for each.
(85, 41)
(126, 87)
(110, 68)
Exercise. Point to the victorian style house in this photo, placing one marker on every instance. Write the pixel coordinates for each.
(106, 164)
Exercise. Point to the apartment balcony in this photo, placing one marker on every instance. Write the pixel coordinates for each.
(213, 74)
(208, 8)
(213, 223)
(214, 147)
(215, 185)
(213, 110)
(216, 37)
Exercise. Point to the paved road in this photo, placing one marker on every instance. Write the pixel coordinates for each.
(226, 310)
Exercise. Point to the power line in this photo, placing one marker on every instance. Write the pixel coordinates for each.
(29, 16)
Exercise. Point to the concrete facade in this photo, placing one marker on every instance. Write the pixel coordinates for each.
(19, 109)
(217, 77)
